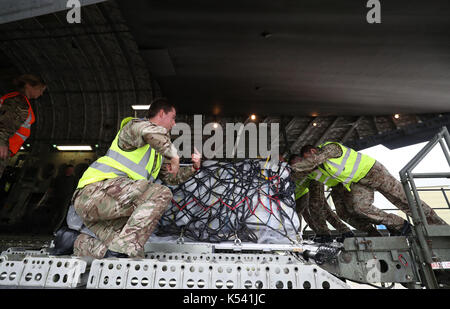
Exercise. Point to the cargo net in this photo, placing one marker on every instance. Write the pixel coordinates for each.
(233, 201)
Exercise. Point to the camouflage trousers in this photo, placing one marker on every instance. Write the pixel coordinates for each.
(121, 212)
(316, 211)
(321, 211)
(356, 206)
(379, 179)
(359, 213)
(300, 205)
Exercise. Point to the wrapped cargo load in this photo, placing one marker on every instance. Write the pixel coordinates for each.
(227, 201)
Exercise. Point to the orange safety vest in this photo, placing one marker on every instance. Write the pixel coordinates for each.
(17, 140)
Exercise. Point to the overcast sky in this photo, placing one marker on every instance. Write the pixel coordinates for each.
(395, 160)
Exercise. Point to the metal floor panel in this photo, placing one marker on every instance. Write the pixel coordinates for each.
(196, 274)
(24, 268)
(42, 271)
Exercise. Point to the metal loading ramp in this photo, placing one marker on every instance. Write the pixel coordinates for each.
(307, 265)
(187, 266)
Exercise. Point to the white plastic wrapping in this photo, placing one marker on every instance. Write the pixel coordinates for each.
(271, 221)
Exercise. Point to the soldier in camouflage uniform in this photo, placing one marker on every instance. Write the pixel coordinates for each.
(14, 111)
(358, 201)
(319, 208)
(123, 212)
(314, 208)
(348, 214)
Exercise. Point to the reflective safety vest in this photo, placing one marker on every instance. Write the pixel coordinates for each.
(16, 141)
(324, 178)
(350, 167)
(301, 187)
(142, 163)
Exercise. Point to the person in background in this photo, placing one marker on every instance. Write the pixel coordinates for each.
(17, 116)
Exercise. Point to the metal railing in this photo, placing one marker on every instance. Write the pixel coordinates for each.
(422, 230)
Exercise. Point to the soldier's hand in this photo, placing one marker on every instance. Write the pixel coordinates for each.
(174, 165)
(4, 152)
(196, 159)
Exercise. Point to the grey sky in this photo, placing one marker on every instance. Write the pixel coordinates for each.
(395, 160)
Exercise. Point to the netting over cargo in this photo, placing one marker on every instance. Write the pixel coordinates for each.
(225, 201)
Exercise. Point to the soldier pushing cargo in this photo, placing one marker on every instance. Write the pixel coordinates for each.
(313, 206)
(358, 176)
(117, 198)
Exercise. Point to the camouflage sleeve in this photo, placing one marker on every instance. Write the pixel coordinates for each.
(13, 114)
(307, 165)
(184, 173)
(137, 133)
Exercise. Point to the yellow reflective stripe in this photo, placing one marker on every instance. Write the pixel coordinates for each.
(137, 168)
(150, 164)
(341, 166)
(318, 175)
(333, 164)
(155, 172)
(146, 157)
(351, 168)
(107, 169)
(355, 168)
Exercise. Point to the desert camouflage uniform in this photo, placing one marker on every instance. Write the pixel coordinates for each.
(122, 212)
(358, 202)
(346, 211)
(379, 179)
(316, 211)
(321, 211)
(13, 113)
(301, 206)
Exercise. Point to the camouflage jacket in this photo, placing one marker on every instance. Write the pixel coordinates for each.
(307, 165)
(13, 113)
(138, 133)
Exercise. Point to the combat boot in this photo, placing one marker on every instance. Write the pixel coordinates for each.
(406, 229)
(64, 240)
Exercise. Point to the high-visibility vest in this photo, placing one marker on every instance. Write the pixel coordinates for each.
(301, 187)
(350, 167)
(141, 163)
(16, 141)
(324, 178)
